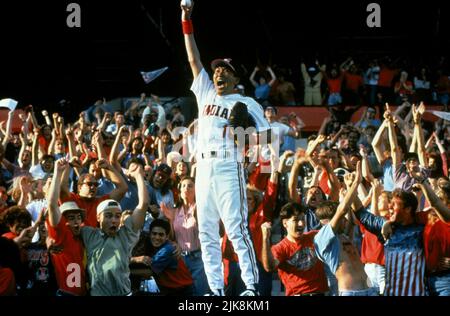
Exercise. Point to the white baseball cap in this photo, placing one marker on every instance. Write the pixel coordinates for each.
(71, 206)
(108, 205)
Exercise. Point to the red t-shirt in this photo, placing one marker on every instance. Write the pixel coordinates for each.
(72, 253)
(353, 81)
(334, 85)
(372, 251)
(386, 76)
(175, 278)
(257, 178)
(43, 143)
(323, 183)
(90, 206)
(436, 239)
(7, 282)
(264, 213)
(300, 270)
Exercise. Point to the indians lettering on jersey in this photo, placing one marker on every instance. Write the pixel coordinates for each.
(216, 110)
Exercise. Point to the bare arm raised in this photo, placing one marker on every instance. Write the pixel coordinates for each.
(189, 40)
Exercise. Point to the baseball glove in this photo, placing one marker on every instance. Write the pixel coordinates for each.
(239, 116)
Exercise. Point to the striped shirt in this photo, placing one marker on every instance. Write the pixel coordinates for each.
(404, 252)
(405, 262)
(186, 229)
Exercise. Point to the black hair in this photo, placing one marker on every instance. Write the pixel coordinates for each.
(45, 157)
(164, 224)
(291, 209)
(137, 160)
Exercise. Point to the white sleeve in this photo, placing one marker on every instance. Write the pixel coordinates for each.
(144, 113)
(202, 86)
(161, 121)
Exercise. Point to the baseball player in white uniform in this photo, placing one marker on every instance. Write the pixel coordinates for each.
(220, 184)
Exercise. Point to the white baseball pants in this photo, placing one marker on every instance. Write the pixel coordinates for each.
(221, 194)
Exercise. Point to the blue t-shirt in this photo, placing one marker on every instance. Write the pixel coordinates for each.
(311, 221)
(130, 199)
(105, 186)
(388, 176)
(164, 259)
(262, 92)
(328, 248)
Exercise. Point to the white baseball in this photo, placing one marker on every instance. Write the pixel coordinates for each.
(186, 3)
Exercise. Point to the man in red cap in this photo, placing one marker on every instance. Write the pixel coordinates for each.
(220, 183)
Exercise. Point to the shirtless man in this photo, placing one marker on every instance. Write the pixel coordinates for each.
(336, 250)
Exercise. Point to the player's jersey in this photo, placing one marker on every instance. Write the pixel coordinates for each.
(213, 113)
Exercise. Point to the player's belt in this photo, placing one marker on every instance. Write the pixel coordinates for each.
(216, 154)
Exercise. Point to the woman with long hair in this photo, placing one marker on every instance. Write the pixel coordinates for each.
(185, 227)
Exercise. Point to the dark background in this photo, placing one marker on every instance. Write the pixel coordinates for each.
(43, 61)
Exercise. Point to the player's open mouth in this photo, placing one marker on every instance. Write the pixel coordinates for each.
(220, 83)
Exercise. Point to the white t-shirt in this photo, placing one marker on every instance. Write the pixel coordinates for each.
(280, 129)
(161, 120)
(214, 111)
(37, 172)
(34, 208)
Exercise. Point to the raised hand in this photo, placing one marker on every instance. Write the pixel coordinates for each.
(421, 109)
(377, 187)
(283, 159)
(321, 138)
(348, 179)
(61, 165)
(387, 114)
(69, 131)
(102, 164)
(108, 117)
(135, 169)
(75, 162)
(266, 230)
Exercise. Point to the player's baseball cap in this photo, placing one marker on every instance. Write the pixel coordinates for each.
(108, 205)
(225, 62)
(71, 206)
